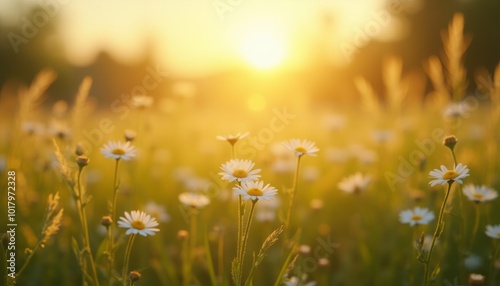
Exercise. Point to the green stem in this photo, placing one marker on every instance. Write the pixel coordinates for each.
(248, 282)
(128, 250)
(292, 201)
(462, 243)
(476, 225)
(220, 259)
(232, 152)
(245, 239)
(189, 258)
(111, 229)
(192, 236)
(115, 191)
(284, 267)
(437, 231)
(85, 229)
(185, 262)
(5, 276)
(240, 230)
(28, 259)
(493, 269)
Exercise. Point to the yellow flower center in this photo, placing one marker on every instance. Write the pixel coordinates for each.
(416, 217)
(255, 192)
(137, 224)
(232, 140)
(478, 196)
(118, 151)
(450, 175)
(239, 173)
(498, 234)
(300, 149)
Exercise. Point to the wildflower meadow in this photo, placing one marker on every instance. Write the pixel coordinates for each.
(396, 186)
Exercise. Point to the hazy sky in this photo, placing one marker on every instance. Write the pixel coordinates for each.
(200, 36)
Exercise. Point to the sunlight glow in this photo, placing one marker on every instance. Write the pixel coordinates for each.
(263, 49)
(256, 102)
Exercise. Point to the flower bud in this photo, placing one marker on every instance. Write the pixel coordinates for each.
(130, 135)
(82, 161)
(134, 276)
(182, 234)
(106, 221)
(450, 141)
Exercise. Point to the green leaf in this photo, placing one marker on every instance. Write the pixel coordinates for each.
(210, 262)
(235, 266)
(102, 250)
(76, 249)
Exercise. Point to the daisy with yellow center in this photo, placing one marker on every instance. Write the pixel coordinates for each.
(232, 139)
(444, 175)
(138, 222)
(119, 150)
(416, 216)
(239, 170)
(302, 147)
(255, 190)
(493, 231)
(479, 194)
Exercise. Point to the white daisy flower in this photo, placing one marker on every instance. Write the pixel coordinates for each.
(119, 150)
(59, 129)
(138, 222)
(239, 170)
(334, 122)
(232, 139)
(473, 261)
(426, 244)
(157, 211)
(267, 210)
(444, 175)
(310, 173)
(295, 281)
(197, 184)
(479, 194)
(32, 128)
(337, 155)
(283, 166)
(476, 279)
(456, 110)
(302, 147)
(355, 183)
(416, 216)
(382, 136)
(255, 191)
(194, 200)
(141, 101)
(493, 231)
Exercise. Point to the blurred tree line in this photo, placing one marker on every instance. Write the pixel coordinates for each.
(111, 78)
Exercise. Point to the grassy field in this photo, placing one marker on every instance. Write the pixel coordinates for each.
(336, 218)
